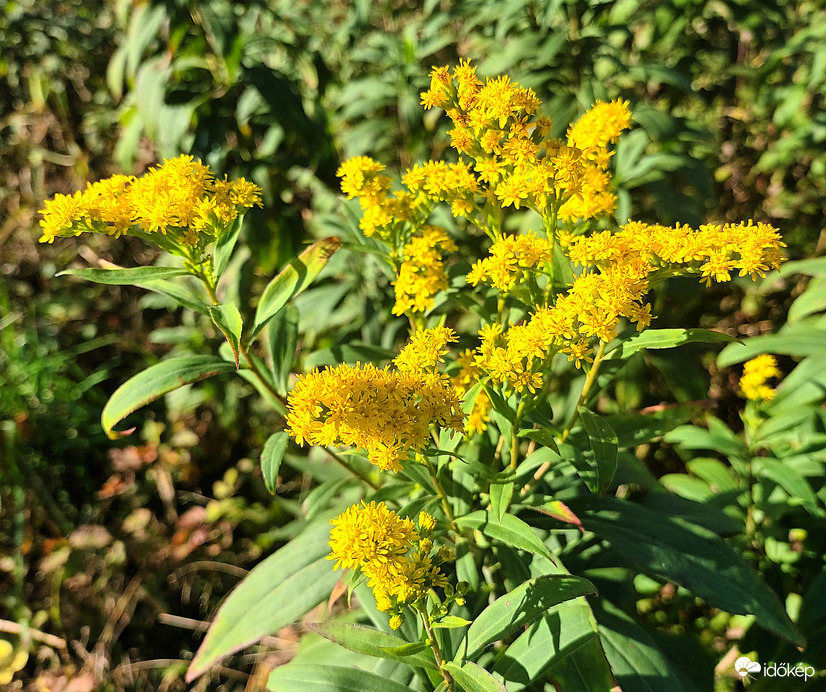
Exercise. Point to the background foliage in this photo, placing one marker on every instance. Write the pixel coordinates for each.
(101, 541)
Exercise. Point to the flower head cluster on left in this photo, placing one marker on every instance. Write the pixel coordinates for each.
(179, 205)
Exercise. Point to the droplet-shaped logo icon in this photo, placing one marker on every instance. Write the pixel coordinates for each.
(744, 665)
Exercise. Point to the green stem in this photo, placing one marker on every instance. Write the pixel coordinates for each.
(251, 364)
(589, 381)
(358, 473)
(434, 644)
(441, 493)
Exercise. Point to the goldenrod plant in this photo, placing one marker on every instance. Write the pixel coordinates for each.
(489, 517)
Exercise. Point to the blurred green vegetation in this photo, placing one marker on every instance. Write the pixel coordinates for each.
(729, 124)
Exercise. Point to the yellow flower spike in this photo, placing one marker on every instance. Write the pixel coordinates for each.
(422, 273)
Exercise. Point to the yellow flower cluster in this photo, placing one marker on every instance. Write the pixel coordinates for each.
(755, 373)
(180, 198)
(599, 127)
(469, 374)
(426, 349)
(399, 219)
(422, 272)
(496, 124)
(385, 412)
(511, 258)
(513, 161)
(397, 558)
(713, 251)
(621, 267)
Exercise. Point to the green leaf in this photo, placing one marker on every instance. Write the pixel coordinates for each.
(274, 449)
(584, 669)
(692, 437)
(406, 650)
(282, 336)
(153, 383)
(520, 607)
(372, 642)
(278, 591)
(634, 657)
(294, 278)
(667, 338)
(500, 405)
(815, 266)
(473, 678)
(509, 529)
(125, 277)
(500, 498)
(319, 498)
(225, 245)
(805, 385)
(450, 622)
(636, 429)
(797, 340)
(791, 481)
(813, 300)
(310, 677)
(566, 631)
(544, 436)
(604, 445)
(687, 554)
(228, 319)
(180, 294)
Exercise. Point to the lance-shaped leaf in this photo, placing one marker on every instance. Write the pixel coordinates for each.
(225, 245)
(282, 336)
(179, 293)
(687, 554)
(285, 586)
(271, 457)
(228, 319)
(562, 641)
(509, 529)
(521, 606)
(294, 278)
(372, 642)
(311, 677)
(667, 338)
(473, 678)
(604, 446)
(153, 383)
(125, 277)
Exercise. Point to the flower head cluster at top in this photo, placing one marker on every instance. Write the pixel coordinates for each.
(180, 199)
(398, 559)
(496, 125)
(387, 412)
(507, 159)
(755, 374)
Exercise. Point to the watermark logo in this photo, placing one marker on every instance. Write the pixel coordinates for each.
(745, 668)
(744, 665)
